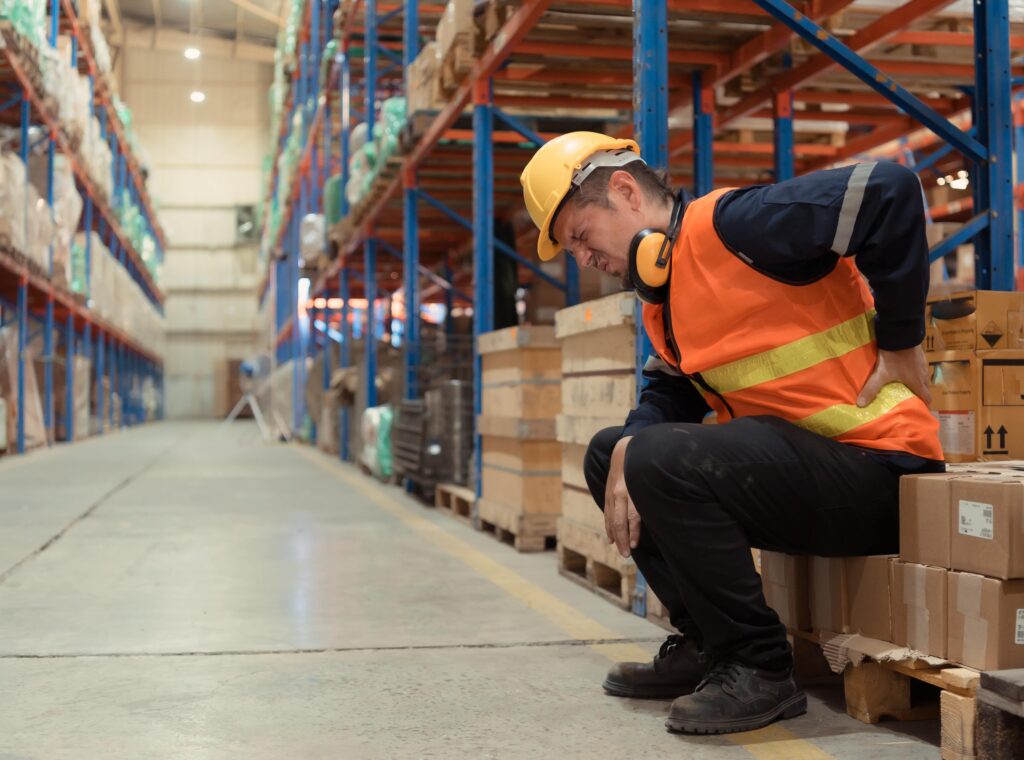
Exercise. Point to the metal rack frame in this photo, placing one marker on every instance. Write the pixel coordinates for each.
(29, 295)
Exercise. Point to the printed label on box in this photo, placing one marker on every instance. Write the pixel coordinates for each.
(975, 519)
(956, 432)
(1019, 638)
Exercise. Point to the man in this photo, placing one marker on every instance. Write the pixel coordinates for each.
(756, 311)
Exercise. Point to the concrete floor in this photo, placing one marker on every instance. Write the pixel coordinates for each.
(178, 591)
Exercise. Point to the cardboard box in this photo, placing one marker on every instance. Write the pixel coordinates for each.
(987, 525)
(785, 588)
(974, 320)
(424, 82)
(986, 622)
(978, 398)
(868, 592)
(457, 19)
(925, 509)
(829, 604)
(919, 604)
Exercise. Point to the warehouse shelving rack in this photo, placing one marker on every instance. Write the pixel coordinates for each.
(31, 295)
(716, 74)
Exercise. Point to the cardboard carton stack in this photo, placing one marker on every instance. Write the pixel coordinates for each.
(598, 341)
(963, 532)
(521, 488)
(975, 349)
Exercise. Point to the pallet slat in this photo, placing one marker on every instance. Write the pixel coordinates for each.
(526, 532)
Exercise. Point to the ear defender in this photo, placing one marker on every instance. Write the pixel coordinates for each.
(650, 257)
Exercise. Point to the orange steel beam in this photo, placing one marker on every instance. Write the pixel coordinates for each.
(850, 117)
(543, 75)
(759, 149)
(867, 99)
(730, 7)
(547, 101)
(963, 71)
(500, 136)
(947, 39)
(617, 53)
(873, 34)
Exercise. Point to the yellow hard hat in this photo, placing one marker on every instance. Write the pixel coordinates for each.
(561, 165)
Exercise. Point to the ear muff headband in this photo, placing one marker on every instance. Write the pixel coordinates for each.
(650, 257)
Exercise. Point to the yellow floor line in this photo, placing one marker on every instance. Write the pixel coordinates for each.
(771, 743)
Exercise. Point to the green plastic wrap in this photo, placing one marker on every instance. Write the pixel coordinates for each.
(332, 199)
(384, 442)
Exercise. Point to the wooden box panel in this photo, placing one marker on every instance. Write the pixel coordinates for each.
(579, 430)
(572, 465)
(529, 492)
(529, 399)
(522, 456)
(604, 395)
(612, 349)
(610, 311)
(579, 506)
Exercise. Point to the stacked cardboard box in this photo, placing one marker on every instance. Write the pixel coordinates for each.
(521, 488)
(963, 532)
(975, 348)
(831, 594)
(598, 340)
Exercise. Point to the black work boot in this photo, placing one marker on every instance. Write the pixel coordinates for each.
(677, 669)
(736, 697)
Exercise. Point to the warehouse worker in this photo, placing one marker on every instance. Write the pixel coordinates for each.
(754, 303)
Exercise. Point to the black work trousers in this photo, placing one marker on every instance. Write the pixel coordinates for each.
(706, 494)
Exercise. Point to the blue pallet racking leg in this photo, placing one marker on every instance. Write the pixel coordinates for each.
(483, 245)
(650, 125)
(783, 136)
(48, 351)
(703, 135)
(22, 353)
(69, 377)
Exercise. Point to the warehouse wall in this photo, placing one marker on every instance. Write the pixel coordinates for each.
(205, 160)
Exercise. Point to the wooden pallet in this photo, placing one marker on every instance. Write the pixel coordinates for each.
(586, 557)
(657, 613)
(524, 531)
(458, 501)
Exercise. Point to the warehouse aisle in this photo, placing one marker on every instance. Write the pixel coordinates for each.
(181, 591)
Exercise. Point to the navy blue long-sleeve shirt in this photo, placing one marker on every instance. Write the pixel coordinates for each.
(795, 232)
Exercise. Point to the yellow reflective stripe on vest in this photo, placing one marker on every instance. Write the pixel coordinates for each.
(842, 418)
(793, 357)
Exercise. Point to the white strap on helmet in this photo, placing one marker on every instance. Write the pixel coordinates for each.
(603, 158)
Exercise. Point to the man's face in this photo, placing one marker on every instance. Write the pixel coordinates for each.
(599, 236)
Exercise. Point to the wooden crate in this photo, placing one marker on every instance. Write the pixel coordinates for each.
(527, 532)
(583, 394)
(586, 557)
(579, 430)
(521, 373)
(458, 501)
(519, 429)
(528, 492)
(573, 455)
(579, 506)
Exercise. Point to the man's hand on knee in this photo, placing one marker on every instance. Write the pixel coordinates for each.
(621, 520)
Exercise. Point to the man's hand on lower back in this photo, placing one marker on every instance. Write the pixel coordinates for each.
(908, 367)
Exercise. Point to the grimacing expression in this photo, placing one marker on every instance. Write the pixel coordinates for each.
(597, 236)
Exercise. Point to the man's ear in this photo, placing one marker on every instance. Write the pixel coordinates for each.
(625, 186)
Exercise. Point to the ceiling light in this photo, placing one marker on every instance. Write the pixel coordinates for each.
(192, 53)
(197, 96)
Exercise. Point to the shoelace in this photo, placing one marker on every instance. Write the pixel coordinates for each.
(669, 645)
(723, 672)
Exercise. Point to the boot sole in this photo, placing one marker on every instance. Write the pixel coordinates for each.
(790, 708)
(617, 689)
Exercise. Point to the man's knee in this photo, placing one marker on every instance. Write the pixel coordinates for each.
(663, 461)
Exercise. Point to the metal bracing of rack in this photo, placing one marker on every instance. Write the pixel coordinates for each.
(28, 292)
(694, 81)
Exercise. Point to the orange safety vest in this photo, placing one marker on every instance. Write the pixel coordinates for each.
(757, 346)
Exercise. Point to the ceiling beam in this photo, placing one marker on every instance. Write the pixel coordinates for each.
(256, 10)
(114, 11)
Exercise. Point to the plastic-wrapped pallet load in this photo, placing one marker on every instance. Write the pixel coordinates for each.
(35, 432)
(376, 426)
(12, 201)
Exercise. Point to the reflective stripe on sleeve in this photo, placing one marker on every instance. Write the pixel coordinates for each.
(852, 201)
